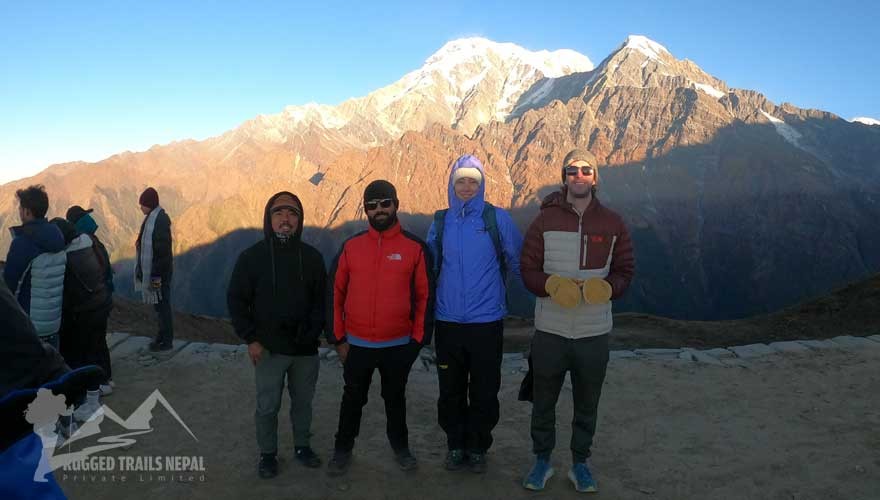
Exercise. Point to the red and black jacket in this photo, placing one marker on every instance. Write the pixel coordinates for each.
(382, 290)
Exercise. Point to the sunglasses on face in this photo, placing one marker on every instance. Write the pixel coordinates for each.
(585, 171)
(374, 204)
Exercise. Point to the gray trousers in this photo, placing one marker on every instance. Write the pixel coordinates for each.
(586, 360)
(301, 373)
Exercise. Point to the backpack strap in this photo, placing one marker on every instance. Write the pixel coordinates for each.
(439, 221)
(491, 221)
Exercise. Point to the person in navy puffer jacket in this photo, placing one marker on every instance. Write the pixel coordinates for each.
(472, 258)
(35, 265)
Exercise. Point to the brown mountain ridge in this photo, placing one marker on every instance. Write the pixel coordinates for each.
(738, 206)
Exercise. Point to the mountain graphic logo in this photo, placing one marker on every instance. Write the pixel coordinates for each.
(45, 411)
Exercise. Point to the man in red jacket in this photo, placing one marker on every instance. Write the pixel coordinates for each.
(381, 316)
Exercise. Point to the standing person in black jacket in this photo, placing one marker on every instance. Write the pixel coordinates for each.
(85, 308)
(85, 225)
(152, 273)
(276, 301)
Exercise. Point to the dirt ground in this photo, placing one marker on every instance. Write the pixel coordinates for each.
(782, 427)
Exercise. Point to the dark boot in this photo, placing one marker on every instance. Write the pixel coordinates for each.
(268, 467)
(307, 457)
(338, 465)
(477, 462)
(454, 460)
(406, 460)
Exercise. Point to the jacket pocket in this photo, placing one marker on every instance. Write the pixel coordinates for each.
(596, 250)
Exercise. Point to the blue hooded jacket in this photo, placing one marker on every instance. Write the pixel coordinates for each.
(470, 287)
(29, 240)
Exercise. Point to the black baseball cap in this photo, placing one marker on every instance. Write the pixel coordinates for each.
(76, 212)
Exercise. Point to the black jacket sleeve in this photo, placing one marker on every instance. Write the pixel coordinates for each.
(240, 300)
(162, 258)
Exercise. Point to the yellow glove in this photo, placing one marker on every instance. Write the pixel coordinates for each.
(563, 291)
(596, 291)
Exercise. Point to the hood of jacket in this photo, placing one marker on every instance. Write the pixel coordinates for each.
(46, 236)
(268, 233)
(475, 204)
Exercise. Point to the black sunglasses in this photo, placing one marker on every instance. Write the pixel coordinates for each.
(586, 171)
(374, 204)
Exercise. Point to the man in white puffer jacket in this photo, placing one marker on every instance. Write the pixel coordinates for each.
(577, 257)
(35, 264)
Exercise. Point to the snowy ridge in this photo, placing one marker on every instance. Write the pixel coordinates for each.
(864, 120)
(551, 64)
(474, 78)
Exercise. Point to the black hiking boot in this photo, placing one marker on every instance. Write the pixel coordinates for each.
(338, 465)
(268, 467)
(477, 462)
(454, 459)
(307, 457)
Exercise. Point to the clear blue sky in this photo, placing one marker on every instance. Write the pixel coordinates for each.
(83, 79)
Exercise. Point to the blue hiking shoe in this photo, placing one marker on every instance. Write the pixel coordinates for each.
(582, 478)
(538, 476)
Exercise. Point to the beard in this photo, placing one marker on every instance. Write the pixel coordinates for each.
(578, 194)
(284, 233)
(383, 224)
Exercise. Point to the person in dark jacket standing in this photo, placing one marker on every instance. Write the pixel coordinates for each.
(154, 266)
(85, 225)
(577, 257)
(382, 305)
(85, 310)
(473, 251)
(276, 300)
(35, 265)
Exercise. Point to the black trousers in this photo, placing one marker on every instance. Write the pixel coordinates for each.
(586, 359)
(164, 315)
(469, 359)
(394, 364)
(84, 339)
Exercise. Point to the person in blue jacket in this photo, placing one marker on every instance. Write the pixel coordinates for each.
(474, 245)
(35, 264)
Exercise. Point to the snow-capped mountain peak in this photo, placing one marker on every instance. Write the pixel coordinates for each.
(865, 120)
(646, 46)
(467, 83)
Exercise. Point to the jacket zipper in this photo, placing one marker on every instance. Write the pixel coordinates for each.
(376, 282)
(461, 264)
(581, 237)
